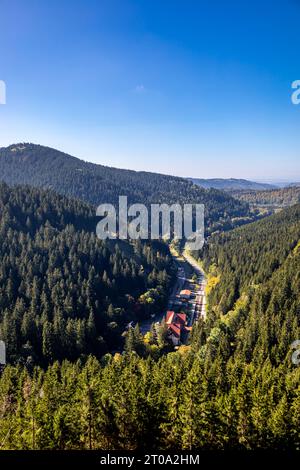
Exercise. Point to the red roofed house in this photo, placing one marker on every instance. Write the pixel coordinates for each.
(185, 294)
(169, 317)
(176, 324)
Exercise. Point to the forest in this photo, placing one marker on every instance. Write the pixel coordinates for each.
(48, 168)
(64, 293)
(149, 233)
(284, 197)
(234, 386)
(248, 256)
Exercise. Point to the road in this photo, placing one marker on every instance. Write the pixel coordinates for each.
(187, 266)
(200, 292)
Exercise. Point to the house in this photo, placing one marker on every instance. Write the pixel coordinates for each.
(185, 294)
(176, 324)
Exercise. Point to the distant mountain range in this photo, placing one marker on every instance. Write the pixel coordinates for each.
(275, 198)
(48, 168)
(231, 184)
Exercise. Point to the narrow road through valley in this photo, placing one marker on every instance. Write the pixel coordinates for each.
(190, 276)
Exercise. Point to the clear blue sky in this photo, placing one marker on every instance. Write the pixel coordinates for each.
(193, 88)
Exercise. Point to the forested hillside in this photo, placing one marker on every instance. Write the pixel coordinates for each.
(64, 293)
(250, 255)
(254, 287)
(234, 387)
(48, 168)
(231, 184)
(275, 198)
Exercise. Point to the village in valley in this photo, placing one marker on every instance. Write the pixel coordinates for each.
(187, 301)
(186, 304)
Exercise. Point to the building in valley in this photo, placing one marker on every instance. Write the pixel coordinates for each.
(176, 324)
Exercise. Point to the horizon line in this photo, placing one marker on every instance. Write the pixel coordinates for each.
(265, 180)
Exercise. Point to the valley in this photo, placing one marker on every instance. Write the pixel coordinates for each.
(190, 278)
(120, 344)
(149, 233)
(48, 168)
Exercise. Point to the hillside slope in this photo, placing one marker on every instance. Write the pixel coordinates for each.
(48, 168)
(227, 184)
(249, 255)
(234, 388)
(64, 293)
(275, 198)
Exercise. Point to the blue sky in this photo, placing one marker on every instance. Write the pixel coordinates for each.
(192, 88)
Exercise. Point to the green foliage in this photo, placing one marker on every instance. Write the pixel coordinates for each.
(248, 256)
(276, 198)
(48, 168)
(132, 403)
(64, 293)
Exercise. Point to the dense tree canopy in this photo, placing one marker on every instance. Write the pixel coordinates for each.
(179, 402)
(96, 184)
(272, 198)
(250, 255)
(233, 387)
(63, 292)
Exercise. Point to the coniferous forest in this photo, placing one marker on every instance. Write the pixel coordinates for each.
(48, 168)
(64, 293)
(149, 233)
(74, 380)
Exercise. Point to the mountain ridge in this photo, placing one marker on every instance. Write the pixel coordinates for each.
(231, 184)
(44, 167)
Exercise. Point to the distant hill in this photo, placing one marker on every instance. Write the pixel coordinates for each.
(46, 167)
(280, 198)
(231, 184)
